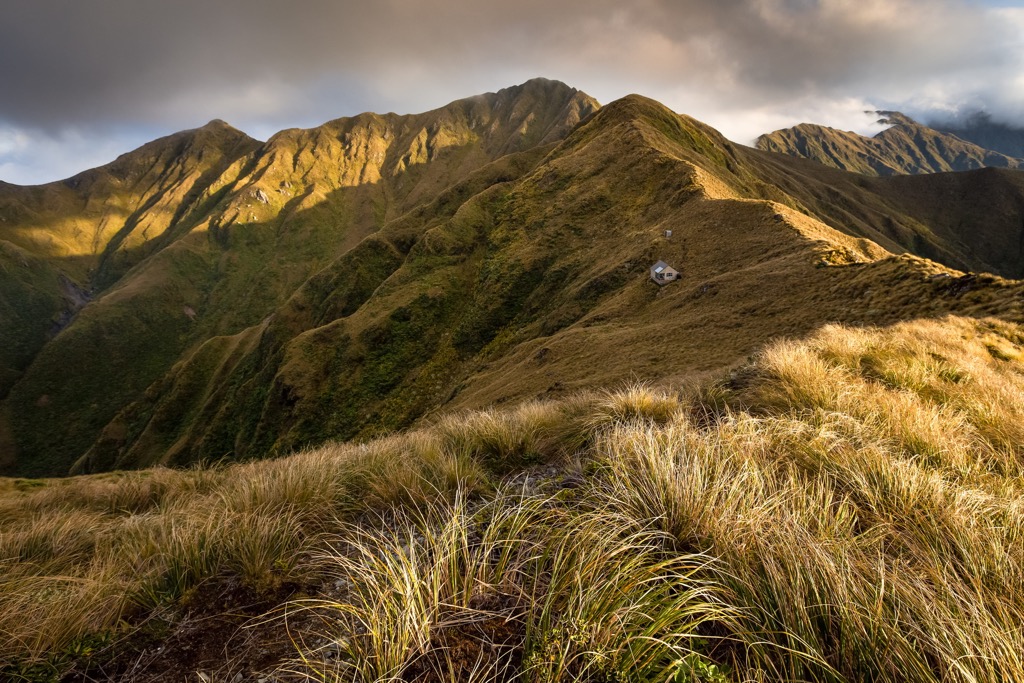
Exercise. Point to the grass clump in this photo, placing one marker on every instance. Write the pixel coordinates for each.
(472, 592)
(635, 402)
(504, 441)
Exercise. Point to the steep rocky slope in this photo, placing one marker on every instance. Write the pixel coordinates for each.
(906, 147)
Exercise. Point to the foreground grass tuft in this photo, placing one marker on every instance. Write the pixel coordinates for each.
(462, 592)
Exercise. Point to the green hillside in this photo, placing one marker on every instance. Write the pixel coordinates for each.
(536, 287)
(349, 280)
(63, 241)
(240, 246)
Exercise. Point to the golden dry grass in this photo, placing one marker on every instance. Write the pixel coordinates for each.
(845, 508)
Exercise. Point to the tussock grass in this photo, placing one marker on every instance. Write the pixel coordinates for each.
(459, 593)
(922, 387)
(878, 568)
(640, 402)
(166, 532)
(507, 440)
(845, 508)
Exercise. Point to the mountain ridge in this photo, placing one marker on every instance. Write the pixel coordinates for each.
(537, 323)
(241, 253)
(905, 147)
(348, 280)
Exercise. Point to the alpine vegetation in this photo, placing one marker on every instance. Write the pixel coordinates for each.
(847, 507)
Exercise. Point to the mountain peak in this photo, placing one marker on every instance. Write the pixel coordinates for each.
(539, 86)
(634, 107)
(539, 83)
(546, 94)
(661, 128)
(217, 125)
(895, 118)
(486, 126)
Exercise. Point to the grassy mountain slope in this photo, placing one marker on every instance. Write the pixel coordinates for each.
(87, 218)
(348, 280)
(62, 241)
(239, 244)
(824, 484)
(906, 147)
(536, 285)
(971, 220)
(982, 220)
(30, 303)
(842, 508)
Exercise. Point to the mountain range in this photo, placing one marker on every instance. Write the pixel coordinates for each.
(904, 147)
(210, 296)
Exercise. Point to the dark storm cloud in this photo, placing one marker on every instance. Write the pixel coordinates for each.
(89, 64)
(68, 62)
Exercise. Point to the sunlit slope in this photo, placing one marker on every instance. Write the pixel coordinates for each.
(536, 285)
(61, 241)
(249, 238)
(126, 203)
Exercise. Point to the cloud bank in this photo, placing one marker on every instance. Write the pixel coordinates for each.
(110, 74)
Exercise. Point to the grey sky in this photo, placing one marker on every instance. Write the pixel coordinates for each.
(84, 80)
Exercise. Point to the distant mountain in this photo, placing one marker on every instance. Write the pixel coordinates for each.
(906, 147)
(980, 129)
(352, 279)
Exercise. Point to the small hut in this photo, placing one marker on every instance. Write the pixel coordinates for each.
(662, 273)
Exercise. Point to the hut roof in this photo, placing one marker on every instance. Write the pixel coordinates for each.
(659, 266)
